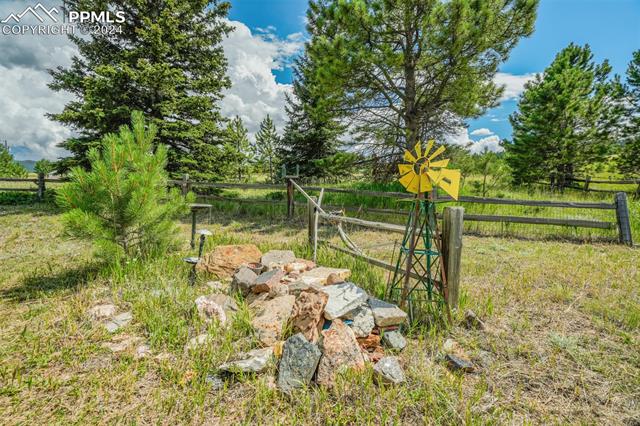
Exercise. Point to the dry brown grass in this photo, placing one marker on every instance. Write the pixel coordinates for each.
(562, 345)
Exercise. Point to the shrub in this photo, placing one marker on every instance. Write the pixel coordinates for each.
(122, 203)
(9, 167)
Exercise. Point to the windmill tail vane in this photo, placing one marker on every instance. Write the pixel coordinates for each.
(423, 171)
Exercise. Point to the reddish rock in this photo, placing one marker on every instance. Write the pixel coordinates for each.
(224, 260)
(376, 355)
(267, 281)
(271, 316)
(309, 264)
(340, 351)
(370, 342)
(308, 314)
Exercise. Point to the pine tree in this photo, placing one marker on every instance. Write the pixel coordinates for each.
(9, 167)
(166, 61)
(399, 71)
(122, 203)
(267, 146)
(311, 133)
(565, 119)
(238, 140)
(629, 160)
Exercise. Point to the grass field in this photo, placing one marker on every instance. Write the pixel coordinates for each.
(562, 345)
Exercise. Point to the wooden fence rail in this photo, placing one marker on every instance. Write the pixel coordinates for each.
(186, 184)
(619, 205)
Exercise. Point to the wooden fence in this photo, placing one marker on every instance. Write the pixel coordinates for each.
(39, 182)
(584, 184)
(619, 205)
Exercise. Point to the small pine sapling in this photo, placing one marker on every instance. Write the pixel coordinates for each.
(122, 203)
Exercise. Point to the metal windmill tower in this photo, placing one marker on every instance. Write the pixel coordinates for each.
(419, 279)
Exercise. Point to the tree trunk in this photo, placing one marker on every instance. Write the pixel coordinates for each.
(410, 113)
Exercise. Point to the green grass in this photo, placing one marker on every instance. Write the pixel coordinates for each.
(563, 344)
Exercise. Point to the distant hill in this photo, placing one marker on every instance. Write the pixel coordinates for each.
(28, 164)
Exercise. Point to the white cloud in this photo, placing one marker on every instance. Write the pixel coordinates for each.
(482, 132)
(459, 137)
(25, 97)
(491, 143)
(513, 84)
(255, 91)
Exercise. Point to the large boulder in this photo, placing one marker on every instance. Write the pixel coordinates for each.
(320, 275)
(308, 314)
(343, 298)
(386, 314)
(254, 361)
(340, 351)
(271, 316)
(223, 261)
(277, 258)
(299, 361)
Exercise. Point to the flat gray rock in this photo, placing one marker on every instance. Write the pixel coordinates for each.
(394, 340)
(299, 286)
(299, 362)
(388, 370)
(243, 280)
(277, 258)
(363, 322)
(343, 298)
(254, 361)
(117, 322)
(386, 314)
(100, 312)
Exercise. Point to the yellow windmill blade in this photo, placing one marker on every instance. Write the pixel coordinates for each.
(450, 182)
(437, 152)
(421, 174)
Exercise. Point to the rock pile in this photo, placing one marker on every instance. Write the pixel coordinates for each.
(335, 325)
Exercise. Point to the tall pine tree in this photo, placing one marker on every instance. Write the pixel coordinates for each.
(629, 160)
(237, 138)
(404, 70)
(565, 119)
(166, 61)
(267, 146)
(311, 133)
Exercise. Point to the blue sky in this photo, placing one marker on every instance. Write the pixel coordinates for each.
(611, 27)
(268, 35)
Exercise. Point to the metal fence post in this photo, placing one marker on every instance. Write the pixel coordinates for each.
(622, 215)
(452, 227)
(311, 210)
(41, 187)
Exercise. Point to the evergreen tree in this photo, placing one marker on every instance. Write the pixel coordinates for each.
(629, 160)
(122, 203)
(404, 70)
(238, 140)
(44, 166)
(165, 60)
(311, 133)
(268, 146)
(9, 167)
(565, 119)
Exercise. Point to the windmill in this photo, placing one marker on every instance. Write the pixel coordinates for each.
(419, 279)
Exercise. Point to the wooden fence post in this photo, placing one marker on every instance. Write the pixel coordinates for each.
(311, 212)
(622, 214)
(587, 181)
(452, 227)
(290, 202)
(41, 187)
(185, 184)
